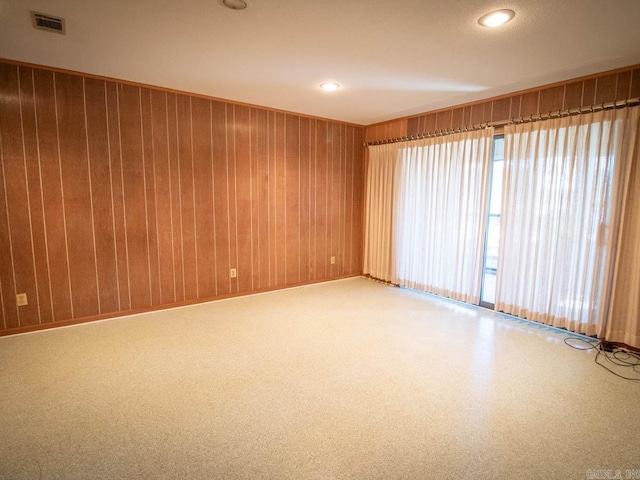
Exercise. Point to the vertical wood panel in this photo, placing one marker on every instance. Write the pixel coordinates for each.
(8, 308)
(233, 194)
(334, 199)
(292, 198)
(17, 197)
(589, 92)
(501, 109)
(529, 104)
(100, 168)
(273, 206)
(134, 193)
(203, 176)
(443, 120)
(255, 198)
(477, 113)
(221, 196)
(623, 85)
(304, 199)
(187, 199)
(330, 198)
(34, 192)
(551, 99)
(163, 197)
(347, 241)
(404, 128)
(339, 201)
(606, 88)
(487, 112)
(77, 194)
(516, 103)
(466, 116)
(176, 195)
(313, 183)
(117, 194)
(10, 154)
(358, 201)
(635, 84)
(344, 251)
(51, 187)
(572, 95)
(398, 128)
(262, 186)
(372, 132)
(321, 182)
(413, 126)
(281, 199)
(150, 195)
(429, 123)
(243, 197)
(456, 118)
(22, 233)
(379, 132)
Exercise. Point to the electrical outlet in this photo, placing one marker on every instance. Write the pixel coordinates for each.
(233, 273)
(333, 260)
(21, 299)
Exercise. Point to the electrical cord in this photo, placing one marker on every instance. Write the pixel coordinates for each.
(620, 357)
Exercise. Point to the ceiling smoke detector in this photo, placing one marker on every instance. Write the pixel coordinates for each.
(235, 4)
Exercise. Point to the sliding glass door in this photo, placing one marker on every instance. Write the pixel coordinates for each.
(492, 239)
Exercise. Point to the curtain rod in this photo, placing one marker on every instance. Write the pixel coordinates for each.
(513, 121)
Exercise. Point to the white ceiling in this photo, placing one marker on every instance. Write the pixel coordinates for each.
(392, 57)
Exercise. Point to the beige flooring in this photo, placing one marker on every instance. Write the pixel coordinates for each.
(343, 380)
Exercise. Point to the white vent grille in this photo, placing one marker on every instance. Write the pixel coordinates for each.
(48, 22)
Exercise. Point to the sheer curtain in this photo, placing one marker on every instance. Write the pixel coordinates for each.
(624, 316)
(441, 214)
(380, 192)
(563, 188)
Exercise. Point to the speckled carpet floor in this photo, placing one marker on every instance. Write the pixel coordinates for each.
(344, 380)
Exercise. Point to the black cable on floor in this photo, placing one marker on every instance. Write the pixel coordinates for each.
(620, 357)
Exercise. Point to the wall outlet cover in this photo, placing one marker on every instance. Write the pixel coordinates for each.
(21, 299)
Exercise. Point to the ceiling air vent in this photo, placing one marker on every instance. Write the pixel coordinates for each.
(48, 22)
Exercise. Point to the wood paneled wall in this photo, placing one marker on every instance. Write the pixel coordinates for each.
(117, 198)
(621, 84)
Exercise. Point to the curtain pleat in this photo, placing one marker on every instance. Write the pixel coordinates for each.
(379, 212)
(623, 325)
(441, 214)
(563, 187)
(426, 206)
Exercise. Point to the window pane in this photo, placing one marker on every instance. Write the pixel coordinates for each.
(498, 148)
(489, 288)
(496, 188)
(493, 241)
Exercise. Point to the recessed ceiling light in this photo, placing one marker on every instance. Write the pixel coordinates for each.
(496, 18)
(329, 86)
(235, 4)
